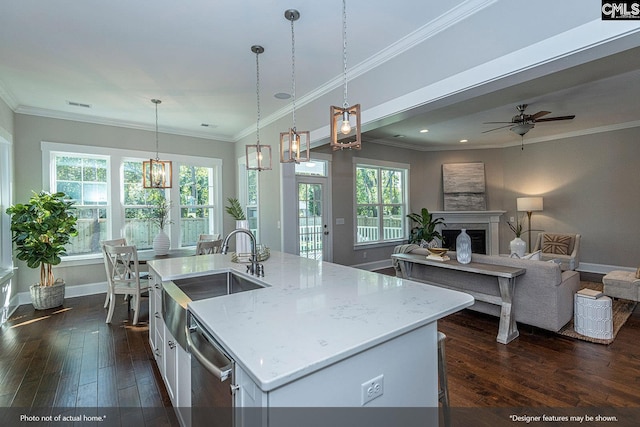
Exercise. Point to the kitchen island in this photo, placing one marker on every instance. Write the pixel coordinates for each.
(318, 332)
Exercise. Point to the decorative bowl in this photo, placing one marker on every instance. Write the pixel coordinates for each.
(437, 251)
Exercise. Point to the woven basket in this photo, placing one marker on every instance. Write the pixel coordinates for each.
(44, 297)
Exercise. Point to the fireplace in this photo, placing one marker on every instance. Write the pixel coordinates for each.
(485, 223)
(478, 240)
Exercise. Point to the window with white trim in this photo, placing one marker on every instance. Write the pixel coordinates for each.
(106, 187)
(381, 201)
(248, 195)
(197, 209)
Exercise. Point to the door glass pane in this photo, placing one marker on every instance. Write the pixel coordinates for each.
(310, 220)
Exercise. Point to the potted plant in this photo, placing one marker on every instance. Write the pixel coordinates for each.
(517, 245)
(159, 215)
(424, 233)
(243, 243)
(41, 228)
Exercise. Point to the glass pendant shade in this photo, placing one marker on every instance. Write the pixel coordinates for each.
(295, 146)
(258, 157)
(156, 173)
(345, 128)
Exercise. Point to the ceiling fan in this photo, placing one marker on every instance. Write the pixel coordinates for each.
(522, 123)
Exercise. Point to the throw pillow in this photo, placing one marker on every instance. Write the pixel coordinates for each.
(556, 244)
(638, 273)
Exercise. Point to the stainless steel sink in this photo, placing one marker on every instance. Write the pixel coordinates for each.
(178, 293)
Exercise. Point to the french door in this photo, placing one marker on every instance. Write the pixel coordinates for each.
(314, 237)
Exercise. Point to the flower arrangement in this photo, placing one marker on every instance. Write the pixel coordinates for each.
(235, 209)
(516, 228)
(159, 214)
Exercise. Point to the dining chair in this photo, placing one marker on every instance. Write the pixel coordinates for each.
(114, 242)
(207, 247)
(208, 237)
(123, 277)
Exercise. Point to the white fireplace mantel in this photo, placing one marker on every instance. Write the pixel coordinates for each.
(489, 220)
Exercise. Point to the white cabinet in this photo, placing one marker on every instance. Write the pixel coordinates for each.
(174, 362)
(156, 331)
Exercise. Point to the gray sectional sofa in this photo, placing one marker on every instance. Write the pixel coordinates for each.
(543, 295)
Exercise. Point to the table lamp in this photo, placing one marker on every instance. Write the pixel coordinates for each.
(529, 205)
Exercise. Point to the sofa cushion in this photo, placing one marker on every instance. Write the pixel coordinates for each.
(556, 244)
(638, 273)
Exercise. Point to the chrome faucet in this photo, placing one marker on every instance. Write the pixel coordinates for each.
(255, 268)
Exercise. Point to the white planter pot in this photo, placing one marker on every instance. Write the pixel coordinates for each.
(518, 247)
(243, 242)
(161, 243)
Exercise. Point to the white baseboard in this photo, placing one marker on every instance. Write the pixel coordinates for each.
(587, 267)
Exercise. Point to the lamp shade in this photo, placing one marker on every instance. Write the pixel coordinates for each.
(529, 204)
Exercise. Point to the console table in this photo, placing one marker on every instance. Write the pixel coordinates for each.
(506, 280)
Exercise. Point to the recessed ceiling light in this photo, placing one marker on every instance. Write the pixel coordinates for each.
(208, 125)
(424, 131)
(464, 140)
(398, 136)
(282, 95)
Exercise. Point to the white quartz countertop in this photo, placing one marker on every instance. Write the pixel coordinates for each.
(311, 314)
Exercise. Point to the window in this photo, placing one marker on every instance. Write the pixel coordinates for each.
(138, 230)
(106, 187)
(84, 179)
(196, 203)
(381, 201)
(249, 195)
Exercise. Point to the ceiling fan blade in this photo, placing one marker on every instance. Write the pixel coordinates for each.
(540, 114)
(501, 127)
(553, 119)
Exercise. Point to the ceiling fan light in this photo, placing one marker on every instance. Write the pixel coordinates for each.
(522, 128)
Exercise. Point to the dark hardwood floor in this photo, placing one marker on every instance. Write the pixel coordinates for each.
(68, 361)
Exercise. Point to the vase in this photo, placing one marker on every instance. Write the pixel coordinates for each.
(517, 246)
(161, 243)
(243, 242)
(463, 247)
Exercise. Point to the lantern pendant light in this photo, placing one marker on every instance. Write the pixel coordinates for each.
(294, 145)
(258, 157)
(345, 121)
(156, 173)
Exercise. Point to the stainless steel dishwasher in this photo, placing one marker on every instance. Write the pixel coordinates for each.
(212, 378)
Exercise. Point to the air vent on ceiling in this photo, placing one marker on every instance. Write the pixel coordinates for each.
(78, 104)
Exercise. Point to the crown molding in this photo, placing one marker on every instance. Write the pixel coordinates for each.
(425, 32)
(83, 118)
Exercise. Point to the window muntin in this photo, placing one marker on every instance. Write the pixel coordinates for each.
(381, 200)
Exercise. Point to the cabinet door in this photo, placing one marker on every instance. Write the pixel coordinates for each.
(170, 359)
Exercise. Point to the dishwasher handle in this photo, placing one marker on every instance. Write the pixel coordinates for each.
(222, 373)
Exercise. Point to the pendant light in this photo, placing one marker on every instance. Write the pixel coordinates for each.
(294, 144)
(345, 121)
(156, 173)
(258, 156)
